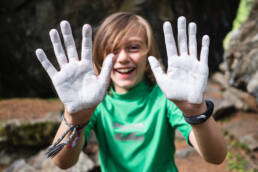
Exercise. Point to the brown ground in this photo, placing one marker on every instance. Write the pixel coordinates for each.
(194, 163)
(36, 108)
(26, 108)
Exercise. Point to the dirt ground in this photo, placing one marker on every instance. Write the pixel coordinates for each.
(27, 108)
(194, 162)
(36, 108)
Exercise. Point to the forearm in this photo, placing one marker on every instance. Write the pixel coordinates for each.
(67, 157)
(209, 141)
(206, 137)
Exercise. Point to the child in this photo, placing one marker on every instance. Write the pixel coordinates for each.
(133, 118)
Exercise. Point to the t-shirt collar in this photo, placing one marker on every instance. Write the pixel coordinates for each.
(139, 90)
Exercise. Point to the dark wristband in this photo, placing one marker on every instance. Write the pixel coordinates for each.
(198, 119)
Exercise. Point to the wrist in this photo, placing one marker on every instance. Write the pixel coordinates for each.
(195, 109)
(201, 118)
(66, 139)
(80, 117)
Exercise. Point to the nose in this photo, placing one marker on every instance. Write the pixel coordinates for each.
(122, 57)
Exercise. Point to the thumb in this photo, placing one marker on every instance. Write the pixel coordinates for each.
(156, 68)
(106, 68)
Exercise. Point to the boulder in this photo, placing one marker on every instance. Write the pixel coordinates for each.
(232, 98)
(33, 133)
(245, 131)
(39, 163)
(241, 57)
(222, 106)
(26, 127)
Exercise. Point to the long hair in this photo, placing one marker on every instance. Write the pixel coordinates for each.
(113, 29)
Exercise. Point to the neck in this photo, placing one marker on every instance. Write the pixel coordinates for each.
(121, 90)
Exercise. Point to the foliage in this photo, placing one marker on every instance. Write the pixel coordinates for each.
(237, 163)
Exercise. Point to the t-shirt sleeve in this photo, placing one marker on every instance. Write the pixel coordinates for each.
(90, 125)
(177, 120)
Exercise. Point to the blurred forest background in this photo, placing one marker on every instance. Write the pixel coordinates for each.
(25, 25)
(29, 108)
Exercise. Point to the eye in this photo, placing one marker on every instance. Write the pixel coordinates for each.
(134, 47)
(115, 51)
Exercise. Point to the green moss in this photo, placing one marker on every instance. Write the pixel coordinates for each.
(52, 99)
(237, 155)
(32, 134)
(237, 163)
(235, 143)
(2, 130)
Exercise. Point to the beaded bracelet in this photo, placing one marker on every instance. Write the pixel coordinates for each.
(55, 148)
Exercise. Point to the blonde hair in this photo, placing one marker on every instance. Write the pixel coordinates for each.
(113, 30)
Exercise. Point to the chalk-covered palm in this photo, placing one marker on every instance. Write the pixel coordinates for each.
(186, 77)
(76, 83)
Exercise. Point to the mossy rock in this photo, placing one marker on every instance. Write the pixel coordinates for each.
(27, 134)
(36, 133)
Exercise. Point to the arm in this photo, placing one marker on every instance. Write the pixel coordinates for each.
(209, 141)
(184, 83)
(76, 84)
(206, 137)
(68, 157)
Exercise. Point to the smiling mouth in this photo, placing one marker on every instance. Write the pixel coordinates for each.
(125, 71)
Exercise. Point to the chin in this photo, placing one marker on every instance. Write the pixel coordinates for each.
(126, 84)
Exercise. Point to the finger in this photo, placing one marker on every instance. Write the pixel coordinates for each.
(106, 68)
(86, 43)
(192, 40)
(205, 49)
(169, 40)
(45, 63)
(69, 41)
(58, 48)
(182, 39)
(156, 68)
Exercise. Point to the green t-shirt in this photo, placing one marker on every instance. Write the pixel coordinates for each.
(136, 130)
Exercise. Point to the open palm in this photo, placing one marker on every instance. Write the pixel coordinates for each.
(186, 77)
(76, 83)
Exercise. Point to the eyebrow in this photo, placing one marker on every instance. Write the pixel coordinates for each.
(135, 40)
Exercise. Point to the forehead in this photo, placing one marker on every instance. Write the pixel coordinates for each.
(135, 34)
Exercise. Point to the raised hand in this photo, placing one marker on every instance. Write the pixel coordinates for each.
(186, 77)
(76, 83)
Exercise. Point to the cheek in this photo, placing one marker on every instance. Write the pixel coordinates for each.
(139, 58)
(142, 64)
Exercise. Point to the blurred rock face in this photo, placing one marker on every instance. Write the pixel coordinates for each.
(25, 25)
(241, 57)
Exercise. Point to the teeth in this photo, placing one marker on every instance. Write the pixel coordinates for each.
(125, 70)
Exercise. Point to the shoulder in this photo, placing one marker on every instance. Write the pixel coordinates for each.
(158, 97)
(156, 91)
(171, 107)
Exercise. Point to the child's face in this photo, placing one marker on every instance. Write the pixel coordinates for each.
(130, 61)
